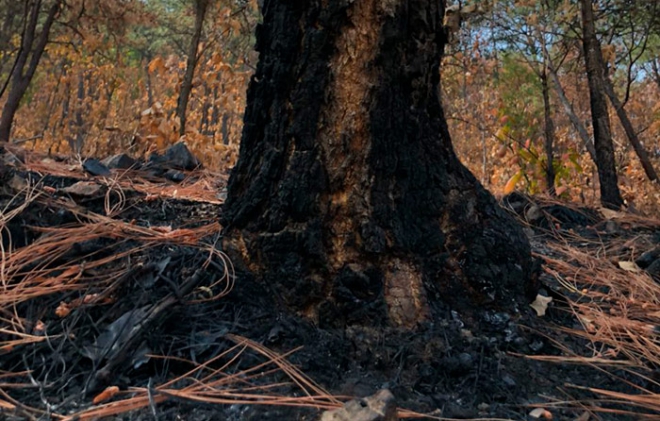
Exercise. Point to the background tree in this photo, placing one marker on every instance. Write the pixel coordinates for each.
(38, 19)
(200, 8)
(10, 25)
(633, 33)
(529, 29)
(132, 56)
(348, 200)
(607, 174)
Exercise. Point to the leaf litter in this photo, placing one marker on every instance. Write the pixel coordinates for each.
(118, 302)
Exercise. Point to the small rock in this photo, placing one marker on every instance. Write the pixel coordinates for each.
(508, 380)
(648, 257)
(466, 360)
(83, 188)
(536, 346)
(174, 175)
(534, 215)
(654, 269)
(379, 407)
(179, 156)
(496, 319)
(121, 161)
(95, 167)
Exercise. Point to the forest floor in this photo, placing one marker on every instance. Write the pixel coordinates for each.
(117, 302)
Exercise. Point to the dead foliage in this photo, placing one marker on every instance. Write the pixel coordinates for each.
(614, 303)
(78, 300)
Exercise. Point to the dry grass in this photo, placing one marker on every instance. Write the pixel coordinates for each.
(223, 385)
(617, 309)
(41, 270)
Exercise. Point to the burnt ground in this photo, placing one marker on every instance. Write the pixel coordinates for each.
(161, 298)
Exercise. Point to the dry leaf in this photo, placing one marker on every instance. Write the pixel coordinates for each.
(541, 413)
(83, 188)
(39, 328)
(108, 393)
(629, 266)
(511, 184)
(62, 310)
(540, 304)
(611, 214)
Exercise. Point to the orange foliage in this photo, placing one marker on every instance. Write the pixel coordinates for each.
(111, 91)
(483, 138)
(98, 95)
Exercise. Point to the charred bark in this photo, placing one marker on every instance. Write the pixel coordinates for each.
(610, 196)
(348, 200)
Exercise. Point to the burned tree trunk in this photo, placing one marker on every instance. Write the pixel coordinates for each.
(610, 196)
(348, 200)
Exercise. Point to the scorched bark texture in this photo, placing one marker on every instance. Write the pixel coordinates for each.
(348, 200)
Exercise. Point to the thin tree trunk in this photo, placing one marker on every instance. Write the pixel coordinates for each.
(610, 195)
(53, 98)
(20, 76)
(575, 120)
(630, 131)
(204, 121)
(9, 28)
(64, 115)
(484, 159)
(186, 85)
(348, 201)
(549, 134)
(224, 128)
(77, 143)
(109, 92)
(147, 81)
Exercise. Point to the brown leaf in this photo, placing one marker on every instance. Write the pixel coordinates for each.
(108, 393)
(629, 266)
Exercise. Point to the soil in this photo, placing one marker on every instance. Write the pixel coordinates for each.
(442, 367)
